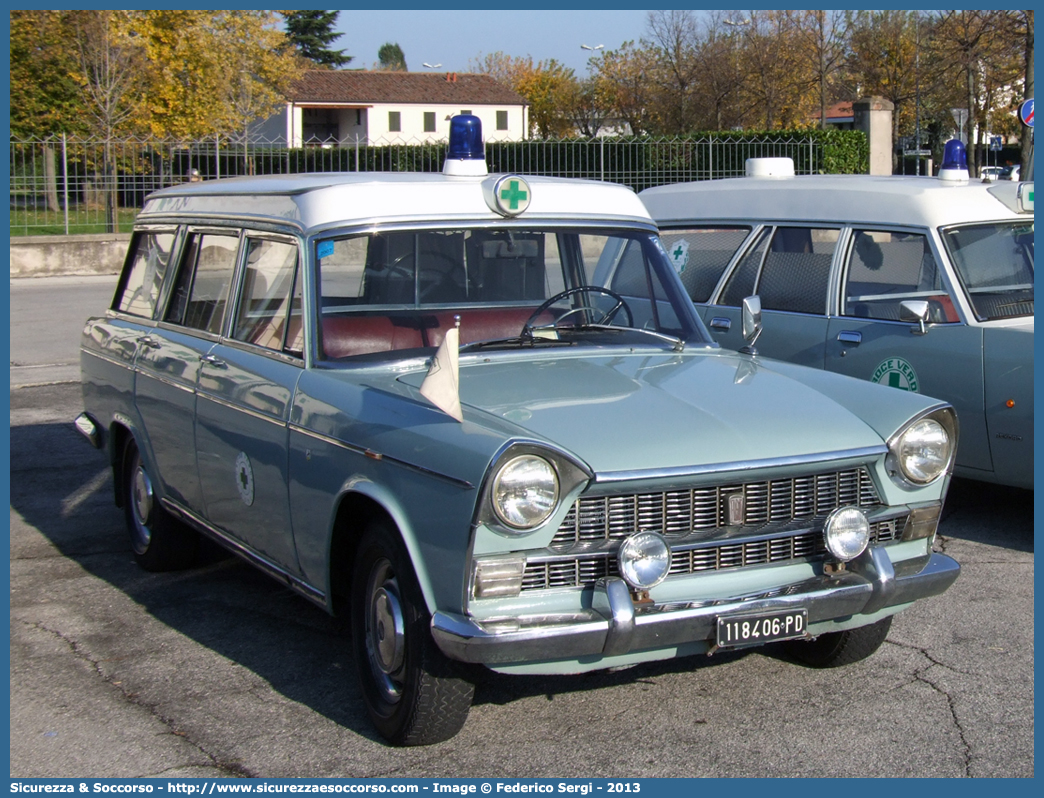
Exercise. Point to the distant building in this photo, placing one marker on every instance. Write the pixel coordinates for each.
(336, 108)
(839, 116)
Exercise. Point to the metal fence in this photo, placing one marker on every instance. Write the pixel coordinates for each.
(68, 185)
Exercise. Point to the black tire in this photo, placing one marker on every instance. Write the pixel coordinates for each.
(835, 649)
(159, 542)
(414, 694)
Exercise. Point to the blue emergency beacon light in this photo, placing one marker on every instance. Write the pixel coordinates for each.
(467, 155)
(955, 161)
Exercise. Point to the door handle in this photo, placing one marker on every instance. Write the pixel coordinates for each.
(721, 323)
(149, 342)
(850, 337)
(216, 362)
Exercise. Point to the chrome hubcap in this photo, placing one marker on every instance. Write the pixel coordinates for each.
(385, 632)
(388, 630)
(142, 494)
(141, 499)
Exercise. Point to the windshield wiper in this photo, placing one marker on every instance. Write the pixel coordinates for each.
(677, 344)
(520, 342)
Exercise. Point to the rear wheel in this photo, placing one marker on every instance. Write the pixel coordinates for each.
(834, 649)
(160, 542)
(413, 692)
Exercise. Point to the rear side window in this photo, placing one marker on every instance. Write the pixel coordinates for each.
(796, 270)
(263, 317)
(201, 294)
(140, 288)
(701, 254)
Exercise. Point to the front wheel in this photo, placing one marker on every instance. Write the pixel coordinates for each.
(160, 542)
(412, 691)
(835, 649)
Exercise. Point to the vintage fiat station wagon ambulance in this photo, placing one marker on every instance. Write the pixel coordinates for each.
(414, 400)
(921, 283)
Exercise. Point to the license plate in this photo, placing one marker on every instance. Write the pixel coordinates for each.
(753, 630)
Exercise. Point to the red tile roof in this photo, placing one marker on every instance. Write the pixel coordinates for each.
(450, 88)
(841, 110)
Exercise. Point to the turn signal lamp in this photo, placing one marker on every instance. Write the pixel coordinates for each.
(467, 155)
(955, 161)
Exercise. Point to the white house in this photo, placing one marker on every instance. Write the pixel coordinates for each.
(334, 107)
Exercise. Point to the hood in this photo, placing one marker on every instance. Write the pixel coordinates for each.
(633, 411)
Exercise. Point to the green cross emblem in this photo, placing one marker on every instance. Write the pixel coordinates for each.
(513, 195)
(678, 252)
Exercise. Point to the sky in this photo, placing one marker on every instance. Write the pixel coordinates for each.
(453, 38)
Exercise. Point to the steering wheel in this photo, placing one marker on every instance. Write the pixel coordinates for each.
(436, 277)
(606, 318)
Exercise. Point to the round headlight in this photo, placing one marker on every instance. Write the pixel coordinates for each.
(924, 451)
(846, 533)
(644, 560)
(525, 491)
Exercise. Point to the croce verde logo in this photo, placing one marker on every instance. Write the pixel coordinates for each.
(896, 373)
(680, 255)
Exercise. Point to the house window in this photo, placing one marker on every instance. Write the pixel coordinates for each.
(502, 120)
(358, 117)
(466, 112)
(429, 121)
(394, 121)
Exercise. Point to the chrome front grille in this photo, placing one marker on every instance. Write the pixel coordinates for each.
(678, 513)
(584, 569)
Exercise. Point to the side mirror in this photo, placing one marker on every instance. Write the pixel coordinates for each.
(914, 310)
(752, 323)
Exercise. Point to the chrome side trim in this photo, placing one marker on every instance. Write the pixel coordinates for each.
(181, 386)
(610, 627)
(351, 447)
(103, 356)
(866, 453)
(308, 591)
(218, 400)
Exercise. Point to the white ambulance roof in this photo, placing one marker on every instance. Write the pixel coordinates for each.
(317, 201)
(857, 199)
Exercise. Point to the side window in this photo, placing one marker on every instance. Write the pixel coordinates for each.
(701, 254)
(206, 271)
(263, 315)
(796, 271)
(884, 268)
(429, 121)
(141, 284)
(395, 121)
(745, 275)
(502, 120)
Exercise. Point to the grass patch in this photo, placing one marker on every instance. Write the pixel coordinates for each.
(82, 220)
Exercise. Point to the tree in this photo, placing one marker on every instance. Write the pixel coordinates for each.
(886, 58)
(823, 35)
(311, 33)
(1027, 89)
(982, 49)
(111, 62)
(677, 70)
(212, 71)
(621, 76)
(45, 97)
(392, 58)
(549, 88)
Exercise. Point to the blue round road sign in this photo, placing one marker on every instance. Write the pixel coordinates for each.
(1026, 113)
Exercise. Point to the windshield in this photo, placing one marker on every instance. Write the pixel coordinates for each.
(396, 290)
(995, 265)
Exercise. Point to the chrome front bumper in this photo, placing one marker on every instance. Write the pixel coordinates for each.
(615, 625)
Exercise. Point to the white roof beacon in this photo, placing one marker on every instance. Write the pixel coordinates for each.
(955, 161)
(466, 156)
